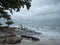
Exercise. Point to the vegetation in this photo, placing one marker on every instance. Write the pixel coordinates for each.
(9, 23)
(12, 5)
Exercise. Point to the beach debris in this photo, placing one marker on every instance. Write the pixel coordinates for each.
(30, 37)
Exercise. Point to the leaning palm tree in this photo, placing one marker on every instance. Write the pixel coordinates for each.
(9, 23)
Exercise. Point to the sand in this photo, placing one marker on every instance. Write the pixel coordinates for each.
(43, 41)
(27, 42)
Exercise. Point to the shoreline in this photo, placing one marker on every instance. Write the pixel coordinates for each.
(44, 40)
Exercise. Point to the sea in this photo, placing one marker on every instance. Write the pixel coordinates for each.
(50, 35)
(52, 32)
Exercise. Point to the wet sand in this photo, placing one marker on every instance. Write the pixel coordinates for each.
(49, 42)
(43, 41)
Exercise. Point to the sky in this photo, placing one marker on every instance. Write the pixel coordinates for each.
(41, 12)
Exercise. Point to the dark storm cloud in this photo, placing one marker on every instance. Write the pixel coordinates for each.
(41, 11)
(48, 7)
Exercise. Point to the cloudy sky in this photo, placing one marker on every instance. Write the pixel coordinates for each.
(43, 12)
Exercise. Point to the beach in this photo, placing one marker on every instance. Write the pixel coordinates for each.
(47, 37)
(44, 40)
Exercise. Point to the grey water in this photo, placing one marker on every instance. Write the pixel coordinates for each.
(52, 32)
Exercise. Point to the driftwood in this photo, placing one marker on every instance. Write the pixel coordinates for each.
(32, 38)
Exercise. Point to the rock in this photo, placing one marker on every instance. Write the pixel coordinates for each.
(35, 39)
(30, 37)
(14, 40)
(10, 40)
(7, 35)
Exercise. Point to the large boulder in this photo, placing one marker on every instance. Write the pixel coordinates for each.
(10, 40)
(13, 40)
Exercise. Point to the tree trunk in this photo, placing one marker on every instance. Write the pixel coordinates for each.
(8, 25)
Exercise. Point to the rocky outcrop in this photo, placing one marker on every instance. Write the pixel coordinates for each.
(10, 40)
(10, 36)
(30, 37)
